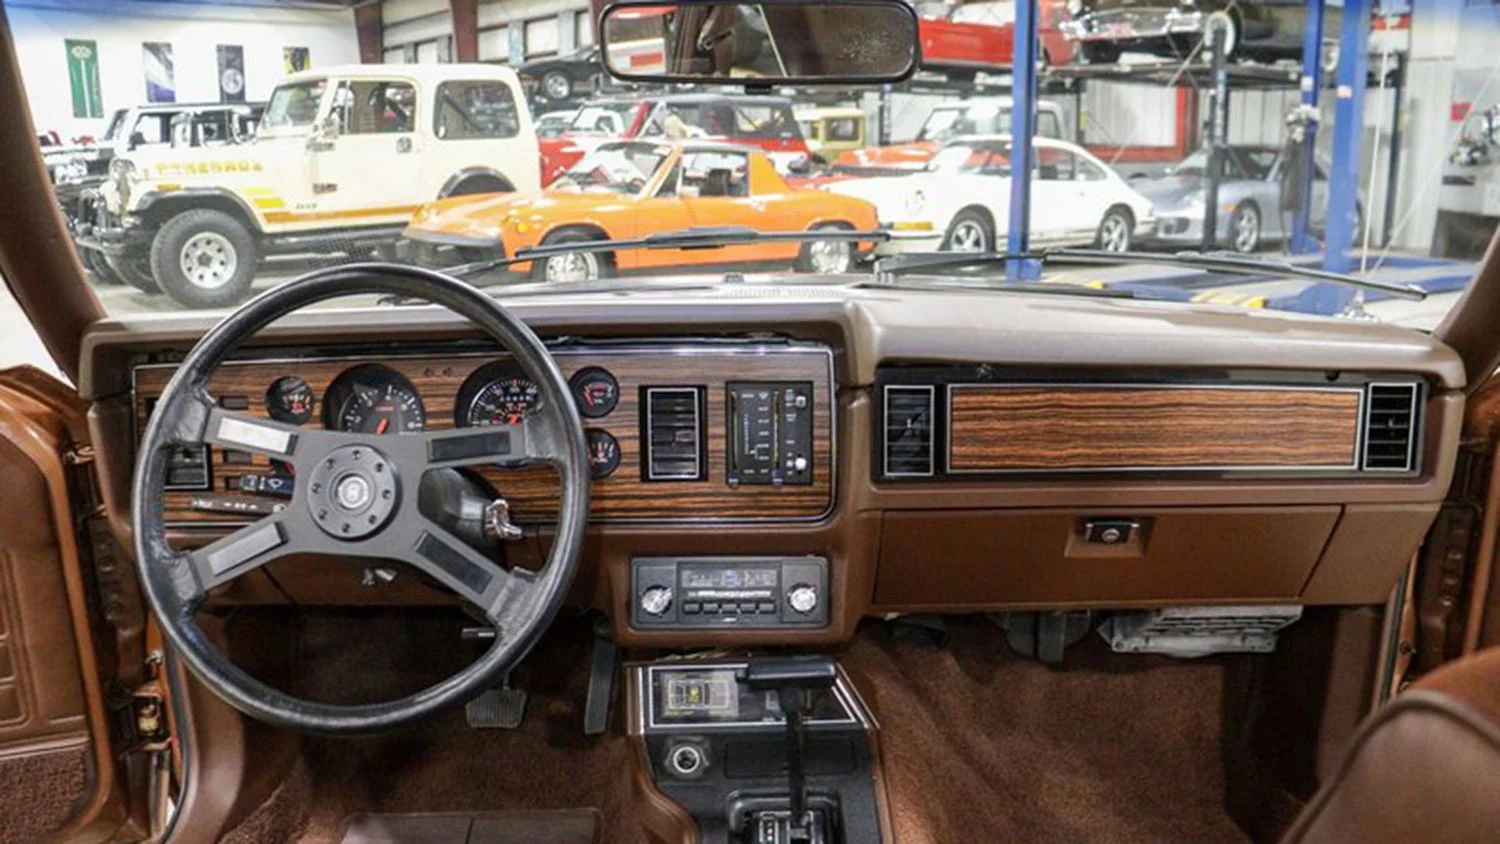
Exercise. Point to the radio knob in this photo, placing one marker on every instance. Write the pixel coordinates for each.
(803, 598)
(656, 600)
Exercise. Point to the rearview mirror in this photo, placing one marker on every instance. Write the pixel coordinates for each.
(776, 43)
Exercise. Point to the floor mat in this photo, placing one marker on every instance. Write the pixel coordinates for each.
(568, 826)
(441, 765)
(979, 744)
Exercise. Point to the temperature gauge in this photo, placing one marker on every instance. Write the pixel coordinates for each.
(595, 391)
(604, 453)
(289, 400)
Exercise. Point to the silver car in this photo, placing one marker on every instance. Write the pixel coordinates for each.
(1250, 210)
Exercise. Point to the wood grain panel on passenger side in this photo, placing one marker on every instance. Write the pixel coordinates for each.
(1012, 427)
(533, 492)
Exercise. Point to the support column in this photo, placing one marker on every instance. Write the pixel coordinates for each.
(1348, 133)
(1311, 85)
(1023, 128)
(465, 29)
(369, 28)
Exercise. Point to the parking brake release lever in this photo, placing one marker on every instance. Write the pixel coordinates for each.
(793, 680)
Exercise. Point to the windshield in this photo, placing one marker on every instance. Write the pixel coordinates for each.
(616, 168)
(294, 105)
(423, 145)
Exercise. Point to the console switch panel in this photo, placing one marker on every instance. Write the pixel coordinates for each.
(770, 432)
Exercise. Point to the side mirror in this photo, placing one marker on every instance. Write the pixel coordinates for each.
(137, 139)
(326, 130)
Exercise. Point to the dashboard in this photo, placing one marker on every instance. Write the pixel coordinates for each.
(774, 464)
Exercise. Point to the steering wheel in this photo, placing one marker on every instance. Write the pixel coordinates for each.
(355, 495)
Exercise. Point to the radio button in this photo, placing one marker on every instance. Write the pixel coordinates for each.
(803, 598)
(766, 607)
(656, 600)
(710, 606)
(692, 608)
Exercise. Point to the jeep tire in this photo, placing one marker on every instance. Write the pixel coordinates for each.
(135, 270)
(204, 258)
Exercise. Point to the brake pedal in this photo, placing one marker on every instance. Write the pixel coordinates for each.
(603, 664)
(497, 709)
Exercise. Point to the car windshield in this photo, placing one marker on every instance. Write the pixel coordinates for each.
(294, 105)
(615, 168)
(420, 138)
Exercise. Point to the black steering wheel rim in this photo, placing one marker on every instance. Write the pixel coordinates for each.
(175, 583)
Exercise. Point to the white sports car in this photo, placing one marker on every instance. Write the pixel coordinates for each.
(961, 202)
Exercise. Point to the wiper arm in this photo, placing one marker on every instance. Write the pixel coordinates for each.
(1223, 262)
(888, 269)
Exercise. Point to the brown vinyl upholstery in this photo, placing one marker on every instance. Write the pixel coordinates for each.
(1425, 768)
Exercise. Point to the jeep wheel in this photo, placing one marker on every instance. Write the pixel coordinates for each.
(204, 259)
(98, 268)
(136, 270)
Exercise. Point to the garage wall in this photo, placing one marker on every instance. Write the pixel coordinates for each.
(194, 31)
(509, 30)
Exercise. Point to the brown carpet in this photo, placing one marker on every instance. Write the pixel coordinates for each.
(981, 745)
(39, 792)
(442, 765)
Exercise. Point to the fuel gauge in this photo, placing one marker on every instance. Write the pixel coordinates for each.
(595, 391)
(289, 399)
(604, 452)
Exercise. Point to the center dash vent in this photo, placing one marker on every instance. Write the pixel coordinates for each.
(908, 431)
(674, 434)
(1390, 427)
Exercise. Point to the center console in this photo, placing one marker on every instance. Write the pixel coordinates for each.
(761, 751)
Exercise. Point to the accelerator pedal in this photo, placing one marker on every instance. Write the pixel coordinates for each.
(497, 709)
(603, 665)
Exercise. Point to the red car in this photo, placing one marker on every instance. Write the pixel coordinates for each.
(765, 122)
(981, 36)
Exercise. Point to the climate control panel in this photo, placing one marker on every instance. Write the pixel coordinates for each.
(716, 592)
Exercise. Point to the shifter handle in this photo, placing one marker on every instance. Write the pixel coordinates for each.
(772, 674)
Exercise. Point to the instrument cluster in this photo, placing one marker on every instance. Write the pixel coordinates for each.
(375, 399)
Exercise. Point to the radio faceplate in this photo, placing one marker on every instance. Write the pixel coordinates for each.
(718, 592)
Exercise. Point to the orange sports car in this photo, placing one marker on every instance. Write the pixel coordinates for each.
(628, 189)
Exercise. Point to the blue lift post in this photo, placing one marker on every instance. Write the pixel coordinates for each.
(1022, 129)
(1348, 133)
(1311, 84)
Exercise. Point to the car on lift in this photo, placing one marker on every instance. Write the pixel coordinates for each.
(1252, 210)
(961, 201)
(558, 79)
(946, 122)
(341, 159)
(962, 39)
(553, 123)
(1258, 30)
(630, 189)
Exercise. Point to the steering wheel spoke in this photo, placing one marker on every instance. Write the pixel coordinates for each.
(233, 556)
(467, 571)
(213, 425)
(527, 442)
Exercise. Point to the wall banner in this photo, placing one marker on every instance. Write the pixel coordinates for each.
(83, 78)
(161, 79)
(231, 73)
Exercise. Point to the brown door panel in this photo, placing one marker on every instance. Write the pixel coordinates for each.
(56, 772)
(979, 559)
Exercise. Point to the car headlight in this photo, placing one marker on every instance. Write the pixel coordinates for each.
(915, 202)
(121, 168)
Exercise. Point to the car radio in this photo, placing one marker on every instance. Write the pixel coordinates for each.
(713, 592)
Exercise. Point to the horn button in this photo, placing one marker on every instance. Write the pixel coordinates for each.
(352, 492)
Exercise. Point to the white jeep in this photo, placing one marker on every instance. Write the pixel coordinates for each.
(341, 159)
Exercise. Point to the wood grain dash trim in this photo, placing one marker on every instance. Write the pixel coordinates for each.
(997, 428)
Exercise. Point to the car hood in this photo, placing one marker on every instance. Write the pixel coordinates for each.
(1114, 5)
(913, 155)
(484, 214)
(881, 189)
(1168, 191)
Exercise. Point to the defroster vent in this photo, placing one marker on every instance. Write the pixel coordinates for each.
(908, 431)
(674, 434)
(1391, 427)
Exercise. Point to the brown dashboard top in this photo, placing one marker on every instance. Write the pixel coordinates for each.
(868, 326)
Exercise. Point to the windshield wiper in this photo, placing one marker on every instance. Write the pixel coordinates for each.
(888, 269)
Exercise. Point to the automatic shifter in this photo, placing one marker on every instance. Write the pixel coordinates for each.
(793, 680)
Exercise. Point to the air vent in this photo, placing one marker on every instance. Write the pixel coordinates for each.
(908, 432)
(674, 434)
(1390, 427)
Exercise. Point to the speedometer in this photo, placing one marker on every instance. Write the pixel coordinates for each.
(373, 399)
(496, 394)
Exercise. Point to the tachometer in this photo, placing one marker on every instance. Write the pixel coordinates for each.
(373, 399)
(496, 394)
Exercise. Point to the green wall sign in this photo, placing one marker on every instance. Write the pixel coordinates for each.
(83, 76)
